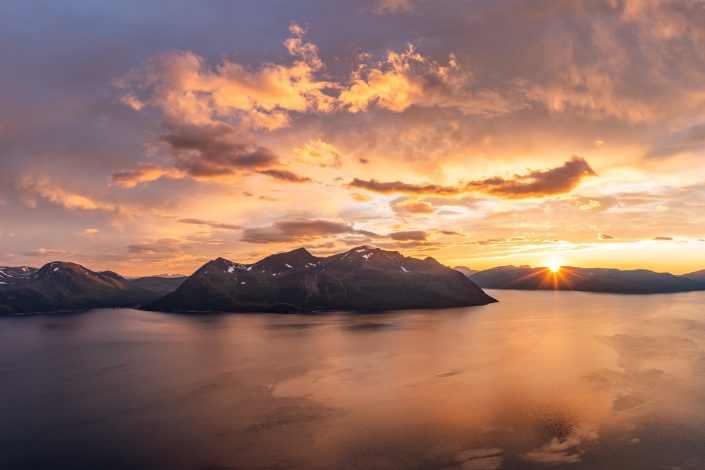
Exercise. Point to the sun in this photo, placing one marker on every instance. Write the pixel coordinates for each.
(554, 265)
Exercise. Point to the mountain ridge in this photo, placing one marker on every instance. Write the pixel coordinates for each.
(65, 286)
(363, 278)
(608, 280)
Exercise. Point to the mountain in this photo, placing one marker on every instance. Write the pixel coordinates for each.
(13, 274)
(363, 278)
(158, 285)
(696, 275)
(465, 270)
(58, 286)
(639, 281)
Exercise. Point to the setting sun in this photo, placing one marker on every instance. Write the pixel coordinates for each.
(554, 265)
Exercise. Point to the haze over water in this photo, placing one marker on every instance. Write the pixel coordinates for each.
(539, 380)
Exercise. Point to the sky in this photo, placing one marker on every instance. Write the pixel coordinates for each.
(149, 137)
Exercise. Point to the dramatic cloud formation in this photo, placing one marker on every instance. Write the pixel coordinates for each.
(408, 78)
(207, 112)
(187, 91)
(209, 129)
(537, 183)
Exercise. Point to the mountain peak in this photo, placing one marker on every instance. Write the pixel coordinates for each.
(65, 267)
(289, 260)
(220, 265)
(300, 252)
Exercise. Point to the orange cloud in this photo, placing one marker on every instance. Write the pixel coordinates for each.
(59, 196)
(403, 188)
(285, 175)
(408, 78)
(188, 91)
(209, 112)
(211, 224)
(143, 174)
(318, 152)
(536, 183)
(412, 207)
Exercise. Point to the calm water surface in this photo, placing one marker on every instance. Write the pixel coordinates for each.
(540, 380)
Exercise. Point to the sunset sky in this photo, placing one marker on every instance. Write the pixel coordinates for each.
(149, 137)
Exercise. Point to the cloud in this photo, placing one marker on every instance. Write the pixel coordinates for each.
(535, 183)
(666, 239)
(360, 197)
(131, 100)
(404, 206)
(143, 174)
(89, 231)
(209, 151)
(604, 236)
(394, 7)
(403, 188)
(47, 190)
(186, 89)
(412, 235)
(318, 152)
(208, 112)
(160, 246)
(285, 175)
(211, 224)
(300, 229)
(44, 252)
(407, 78)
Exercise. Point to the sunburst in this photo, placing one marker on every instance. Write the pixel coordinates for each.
(554, 265)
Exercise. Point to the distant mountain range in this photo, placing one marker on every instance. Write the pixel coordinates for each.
(363, 278)
(61, 286)
(639, 281)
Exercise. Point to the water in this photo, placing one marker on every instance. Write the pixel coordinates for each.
(540, 380)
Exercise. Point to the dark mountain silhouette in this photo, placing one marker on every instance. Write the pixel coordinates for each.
(157, 285)
(639, 281)
(363, 278)
(60, 286)
(698, 275)
(13, 274)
